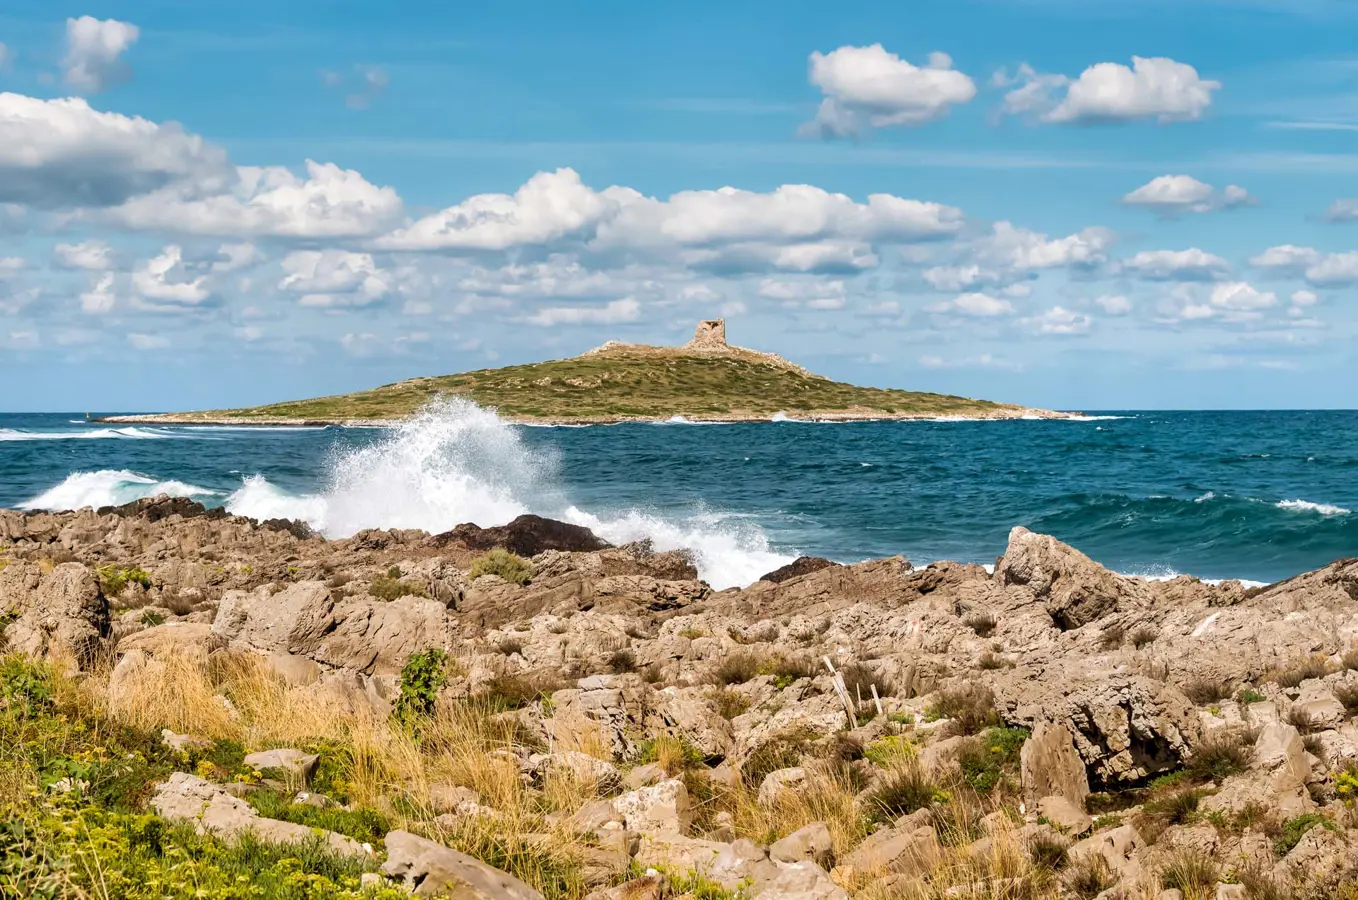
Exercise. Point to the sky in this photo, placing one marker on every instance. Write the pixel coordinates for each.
(1136, 205)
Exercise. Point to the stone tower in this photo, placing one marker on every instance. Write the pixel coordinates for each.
(710, 333)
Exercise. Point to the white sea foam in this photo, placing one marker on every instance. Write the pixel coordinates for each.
(109, 487)
(455, 462)
(20, 434)
(1205, 497)
(1323, 509)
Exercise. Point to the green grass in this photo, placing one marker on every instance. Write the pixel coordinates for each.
(621, 386)
(499, 561)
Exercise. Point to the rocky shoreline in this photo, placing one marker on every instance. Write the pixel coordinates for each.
(1049, 730)
(835, 416)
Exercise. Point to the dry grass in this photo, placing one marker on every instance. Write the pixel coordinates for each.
(1299, 670)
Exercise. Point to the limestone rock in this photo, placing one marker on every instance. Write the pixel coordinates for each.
(802, 565)
(61, 614)
(1075, 589)
(295, 763)
(1066, 816)
(1051, 766)
(775, 783)
(661, 809)
(431, 870)
(810, 842)
(895, 851)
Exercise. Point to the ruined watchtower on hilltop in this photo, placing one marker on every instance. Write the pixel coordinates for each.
(711, 334)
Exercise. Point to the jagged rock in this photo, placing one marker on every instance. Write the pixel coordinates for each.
(690, 713)
(1118, 847)
(211, 810)
(775, 783)
(645, 776)
(1321, 860)
(1050, 765)
(675, 853)
(445, 798)
(810, 842)
(581, 766)
(1075, 589)
(802, 565)
(61, 614)
(647, 887)
(430, 870)
(1319, 708)
(895, 851)
(1065, 815)
(527, 536)
(183, 743)
(660, 809)
(296, 763)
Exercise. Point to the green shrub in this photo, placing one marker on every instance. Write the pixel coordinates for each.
(1203, 691)
(421, 678)
(1192, 872)
(730, 703)
(1294, 829)
(363, 825)
(113, 579)
(891, 749)
(509, 692)
(986, 759)
(512, 568)
(1220, 755)
(384, 587)
(782, 751)
(1248, 695)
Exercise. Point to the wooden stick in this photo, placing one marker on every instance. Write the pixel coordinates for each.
(878, 700)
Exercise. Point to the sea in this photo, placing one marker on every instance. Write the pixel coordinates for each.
(1255, 496)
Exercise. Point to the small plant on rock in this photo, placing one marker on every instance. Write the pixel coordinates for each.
(1347, 694)
(1088, 877)
(903, 789)
(509, 566)
(1191, 872)
(114, 579)
(1300, 670)
(1203, 691)
(1295, 829)
(1112, 636)
(1248, 695)
(1142, 636)
(421, 678)
(384, 587)
(983, 623)
(971, 707)
(1048, 851)
(622, 661)
(1220, 755)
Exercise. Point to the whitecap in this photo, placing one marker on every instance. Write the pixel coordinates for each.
(109, 487)
(1205, 497)
(20, 434)
(1323, 509)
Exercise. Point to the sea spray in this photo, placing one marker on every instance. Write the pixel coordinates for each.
(455, 462)
(110, 487)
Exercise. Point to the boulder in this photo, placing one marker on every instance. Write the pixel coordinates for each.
(808, 843)
(662, 809)
(432, 870)
(802, 565)
(775, 783)
(645, 776)
(60, 614)
(211, 810)
(183, 743)
(895, 851)
(1075, 589)
(294, 763)
(1068, 818)
(528, 535)
(1050, 766)
(1118, 847)
(1319, 708)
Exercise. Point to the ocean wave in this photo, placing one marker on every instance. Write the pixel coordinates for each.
(109, 487)
(456, 462)
(1323, 509)
(20, 434)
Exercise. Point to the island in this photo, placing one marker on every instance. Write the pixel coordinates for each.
(705, 380)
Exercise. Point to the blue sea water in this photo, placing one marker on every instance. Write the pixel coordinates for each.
(1252, 495)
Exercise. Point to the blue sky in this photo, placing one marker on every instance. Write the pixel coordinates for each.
(988, 198)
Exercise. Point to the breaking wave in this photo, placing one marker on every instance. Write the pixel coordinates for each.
(110, 487)
(141, 434)
(1323, 509)
(455, 462)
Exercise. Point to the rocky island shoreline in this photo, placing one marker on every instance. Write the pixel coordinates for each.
(528, 712)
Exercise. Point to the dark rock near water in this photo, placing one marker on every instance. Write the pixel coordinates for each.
(153, 509)
(527, 535)
(802, 565)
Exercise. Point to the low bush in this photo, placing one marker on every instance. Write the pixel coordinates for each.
(114, 579)
(1160, 813)
(983, 623)
(987, 759)
(1347, 694)
(1142, 636)
(622, 661)
(1112, 636)
(1294, 829)
(1088, 877)
(1300, 670)
(509, 566)
(1302, 720)
(363, 825)
(971, 707)
(1191, 872)
(901, 790)
(1220, 755)
(384, 587)
(782, 751)
(1047, 851)
(730, 703)
(421, 678)
(1248, 695)
(1203, 691)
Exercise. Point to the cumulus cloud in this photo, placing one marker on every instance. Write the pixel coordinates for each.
(334, 278)
(1192, 264)
(797, 228)
(90, 256)
(1343, 210)
(1174, 194)
(1286, 256)
(94, 51)
(975, 305)
(1320, 269)
(1059, 320)
(1024, 250)
(330, 202)
(1233, 301)
(1151, 88)
(231, 257)
(869, 87)
(625, 310)
(165, 283)
(11, 264)
(1114, 304)
(811, 294)
(63, 153)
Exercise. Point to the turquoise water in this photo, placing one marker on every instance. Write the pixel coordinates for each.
(1252, 495)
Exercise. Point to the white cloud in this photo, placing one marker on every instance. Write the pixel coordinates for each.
(1025, 250)
(624, 310)
(101, 297)
(1155, 88)
(1114, 305)
(1334, 269)
(1172, 194)
(1192, 264)
(374, 82)
(798, 228)
(148, 341)
(1304, 298)
(813, 294)
(1286, 256)
(982, 361)
(164, 282)
(1059, 320)
(231, 257)
(12, 264)
(1319, 269)
(268, 202)
(960, 278)
(334, 278)
(63, 153)
(1241, 296)
(1344, 210)
(869, 87)
(90, 256)
(367, 344)
(976, 305)
(1234, 301)
(94, 50)
(24, 340)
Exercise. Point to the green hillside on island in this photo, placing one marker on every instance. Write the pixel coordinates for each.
(706, 379)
